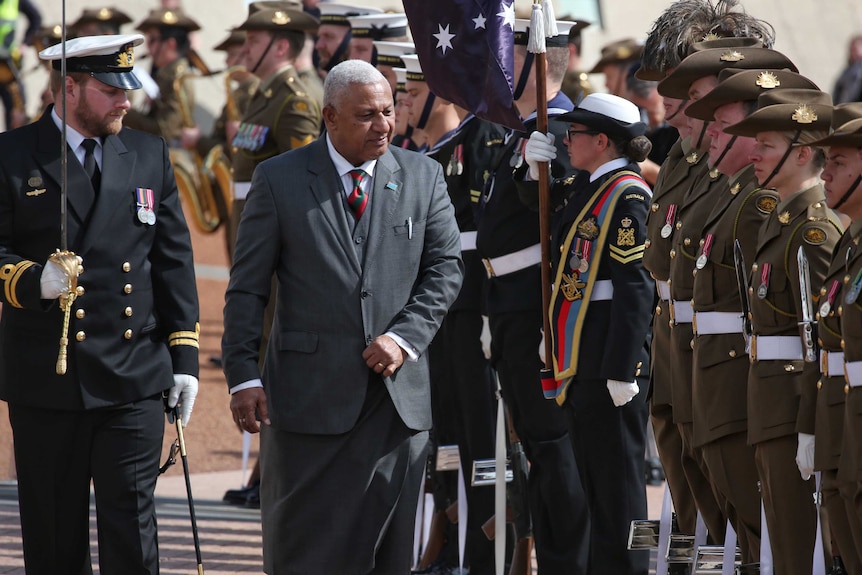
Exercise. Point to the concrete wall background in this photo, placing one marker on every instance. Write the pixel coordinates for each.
(813, 34)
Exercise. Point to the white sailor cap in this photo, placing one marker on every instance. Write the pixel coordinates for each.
(389, 53)
(109, 59)
(378, 26)
(336, 13)
(522, 32)
(414, 68)
(400, 78)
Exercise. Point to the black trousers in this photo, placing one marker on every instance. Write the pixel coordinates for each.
(556, 496)
(57, 453)
(610, 443)
(463, 405)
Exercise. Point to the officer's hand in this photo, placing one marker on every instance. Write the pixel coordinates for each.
(249, 409)
(805, 455)
(55, 279)
(183, 393)
(622, 392)
(540, 148)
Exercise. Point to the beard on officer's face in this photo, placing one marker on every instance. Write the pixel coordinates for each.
(93, 122)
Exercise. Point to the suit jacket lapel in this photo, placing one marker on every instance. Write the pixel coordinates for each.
(327, 190)
(118, 164)
(384, 198)
(79, 192)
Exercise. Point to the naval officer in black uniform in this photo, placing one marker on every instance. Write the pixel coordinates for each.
(133, 334)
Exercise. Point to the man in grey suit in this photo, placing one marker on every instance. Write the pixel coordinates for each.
(363, 241)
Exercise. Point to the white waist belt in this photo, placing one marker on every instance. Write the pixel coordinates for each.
(663, 289)
(682, 311)
(602, 290)
(714, 322)
(516, 261)
(468, 241)
(831, 363)
(853, 373)
(240, 190)
(777, 347)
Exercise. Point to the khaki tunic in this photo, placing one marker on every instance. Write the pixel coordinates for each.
(686, 240)
(241, 95)
(721, 364)
(850, 465)
(165, 117)
(280, 117)
(674, 180)
(782, 393)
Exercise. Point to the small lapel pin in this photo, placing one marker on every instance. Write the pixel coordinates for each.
(392, 186)
(38, 192)
(34, 181)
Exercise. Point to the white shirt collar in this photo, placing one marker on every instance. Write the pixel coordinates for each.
(343, 167)
(609, 167)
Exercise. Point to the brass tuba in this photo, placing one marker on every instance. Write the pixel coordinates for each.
(192, 181)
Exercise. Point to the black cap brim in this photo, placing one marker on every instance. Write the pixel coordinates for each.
(121, 80)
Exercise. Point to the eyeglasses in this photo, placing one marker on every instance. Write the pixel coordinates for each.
(570, 133)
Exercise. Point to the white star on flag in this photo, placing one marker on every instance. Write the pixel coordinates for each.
(444, 38)
(479, 21)
(508, 15)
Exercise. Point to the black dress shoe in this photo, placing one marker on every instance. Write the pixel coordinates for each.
(654, 471)
(240, 496)
(837, 567)
(252, 500)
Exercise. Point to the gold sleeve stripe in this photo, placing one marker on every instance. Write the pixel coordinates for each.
(184, 341)
(627, 256)
(184, 335)
(10, 275)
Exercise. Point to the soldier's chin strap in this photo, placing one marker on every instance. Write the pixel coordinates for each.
(846, 195)
(724, 152)
(783, 159)
(262, 56)
(676, 112)
(701, 136)
(426, 110)
(525, 75)
(339, 52)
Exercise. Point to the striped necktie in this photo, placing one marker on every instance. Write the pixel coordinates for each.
(358, 199)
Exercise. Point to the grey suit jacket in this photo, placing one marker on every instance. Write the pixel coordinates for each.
(329, 307)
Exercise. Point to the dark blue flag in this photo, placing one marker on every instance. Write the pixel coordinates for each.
(466, 49)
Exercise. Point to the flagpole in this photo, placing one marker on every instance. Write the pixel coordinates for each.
(537, 46)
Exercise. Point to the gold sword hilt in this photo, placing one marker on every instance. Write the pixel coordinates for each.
(72, 266)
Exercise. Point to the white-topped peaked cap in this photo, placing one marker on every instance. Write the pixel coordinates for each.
(109, 59)
(414, 67)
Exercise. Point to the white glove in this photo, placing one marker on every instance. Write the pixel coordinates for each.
(805, 455)
(622, 392)
(184, 391)
(540, 148)
(54, 280)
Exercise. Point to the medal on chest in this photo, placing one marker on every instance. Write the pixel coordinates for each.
(765, 272)
(704, 251)
(670, 216)
(144, 200)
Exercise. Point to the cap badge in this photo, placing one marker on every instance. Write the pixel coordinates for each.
(767, 80)
(711, 36)
(804, 115)
(732, 56)
(104, 14)
(126, 58)
(280, 18)
(624, 53)
(170, 18)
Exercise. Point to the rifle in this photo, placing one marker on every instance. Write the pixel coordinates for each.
(518, 499)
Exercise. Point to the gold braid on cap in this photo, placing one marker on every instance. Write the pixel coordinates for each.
(687, 22)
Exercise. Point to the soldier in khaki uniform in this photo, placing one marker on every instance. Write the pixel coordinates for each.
(167, 34)
(721, 362)
(781, 384)
(836, 431)
(280, 116)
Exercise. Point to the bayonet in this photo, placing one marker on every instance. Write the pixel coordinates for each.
(808, 323)
(742, 282)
